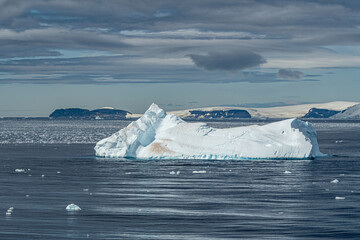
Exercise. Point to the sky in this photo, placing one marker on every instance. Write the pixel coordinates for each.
(183, 54)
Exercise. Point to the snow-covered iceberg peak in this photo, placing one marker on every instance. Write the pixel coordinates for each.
(137, 134)
(157, 135)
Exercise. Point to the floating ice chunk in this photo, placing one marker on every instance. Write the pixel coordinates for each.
(157, 135)
(334, 181)
(339, 198)
(172, 173)
(72, 207)
(85, 190)
(43, 175)
(200, 171)
(27, 195)
(287, 172)
(19, 170)
(9, 211)
(58, 172)
(178, 172)
(339, 141)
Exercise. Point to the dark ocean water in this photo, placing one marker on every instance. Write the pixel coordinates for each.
(132, 199)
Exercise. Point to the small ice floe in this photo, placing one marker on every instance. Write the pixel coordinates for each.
(128, 173)
(20, 170)
(177, 172)
(287, 172)
(72, 207)
(85, 190)
(43, 175)
(334, 181)
(199, 171)
(339, 198)
(27, 195)
(172, 173)
(9, 211)
(58, 172)
(339, 141)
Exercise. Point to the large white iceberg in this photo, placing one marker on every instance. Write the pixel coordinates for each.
(157, 135)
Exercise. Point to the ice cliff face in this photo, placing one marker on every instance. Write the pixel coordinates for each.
(157, 135)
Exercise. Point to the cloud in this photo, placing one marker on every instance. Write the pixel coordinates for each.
(165, 38)
(229, 61)
(289, 74)
(116, 69)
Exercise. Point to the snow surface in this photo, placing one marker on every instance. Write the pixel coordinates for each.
(157, 135)
(349, 113)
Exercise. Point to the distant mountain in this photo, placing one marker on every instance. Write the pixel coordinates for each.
(218, 114)
(315, 110)
(79, 113)
(320, 113)
(349, 113)
(293, 111)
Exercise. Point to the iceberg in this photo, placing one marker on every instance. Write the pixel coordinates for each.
(157, 135)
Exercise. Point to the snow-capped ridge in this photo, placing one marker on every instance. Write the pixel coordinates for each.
(352, 112)
(157, 135)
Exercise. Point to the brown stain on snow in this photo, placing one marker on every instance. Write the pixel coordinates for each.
(157, 147)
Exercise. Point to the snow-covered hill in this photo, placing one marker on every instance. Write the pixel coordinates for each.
(352, 112)
(275, 112)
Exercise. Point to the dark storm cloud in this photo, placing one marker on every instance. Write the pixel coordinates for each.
(167, 30)
(230, 61)
(289, 74)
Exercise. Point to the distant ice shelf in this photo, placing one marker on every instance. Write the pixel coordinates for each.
(157, 135)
